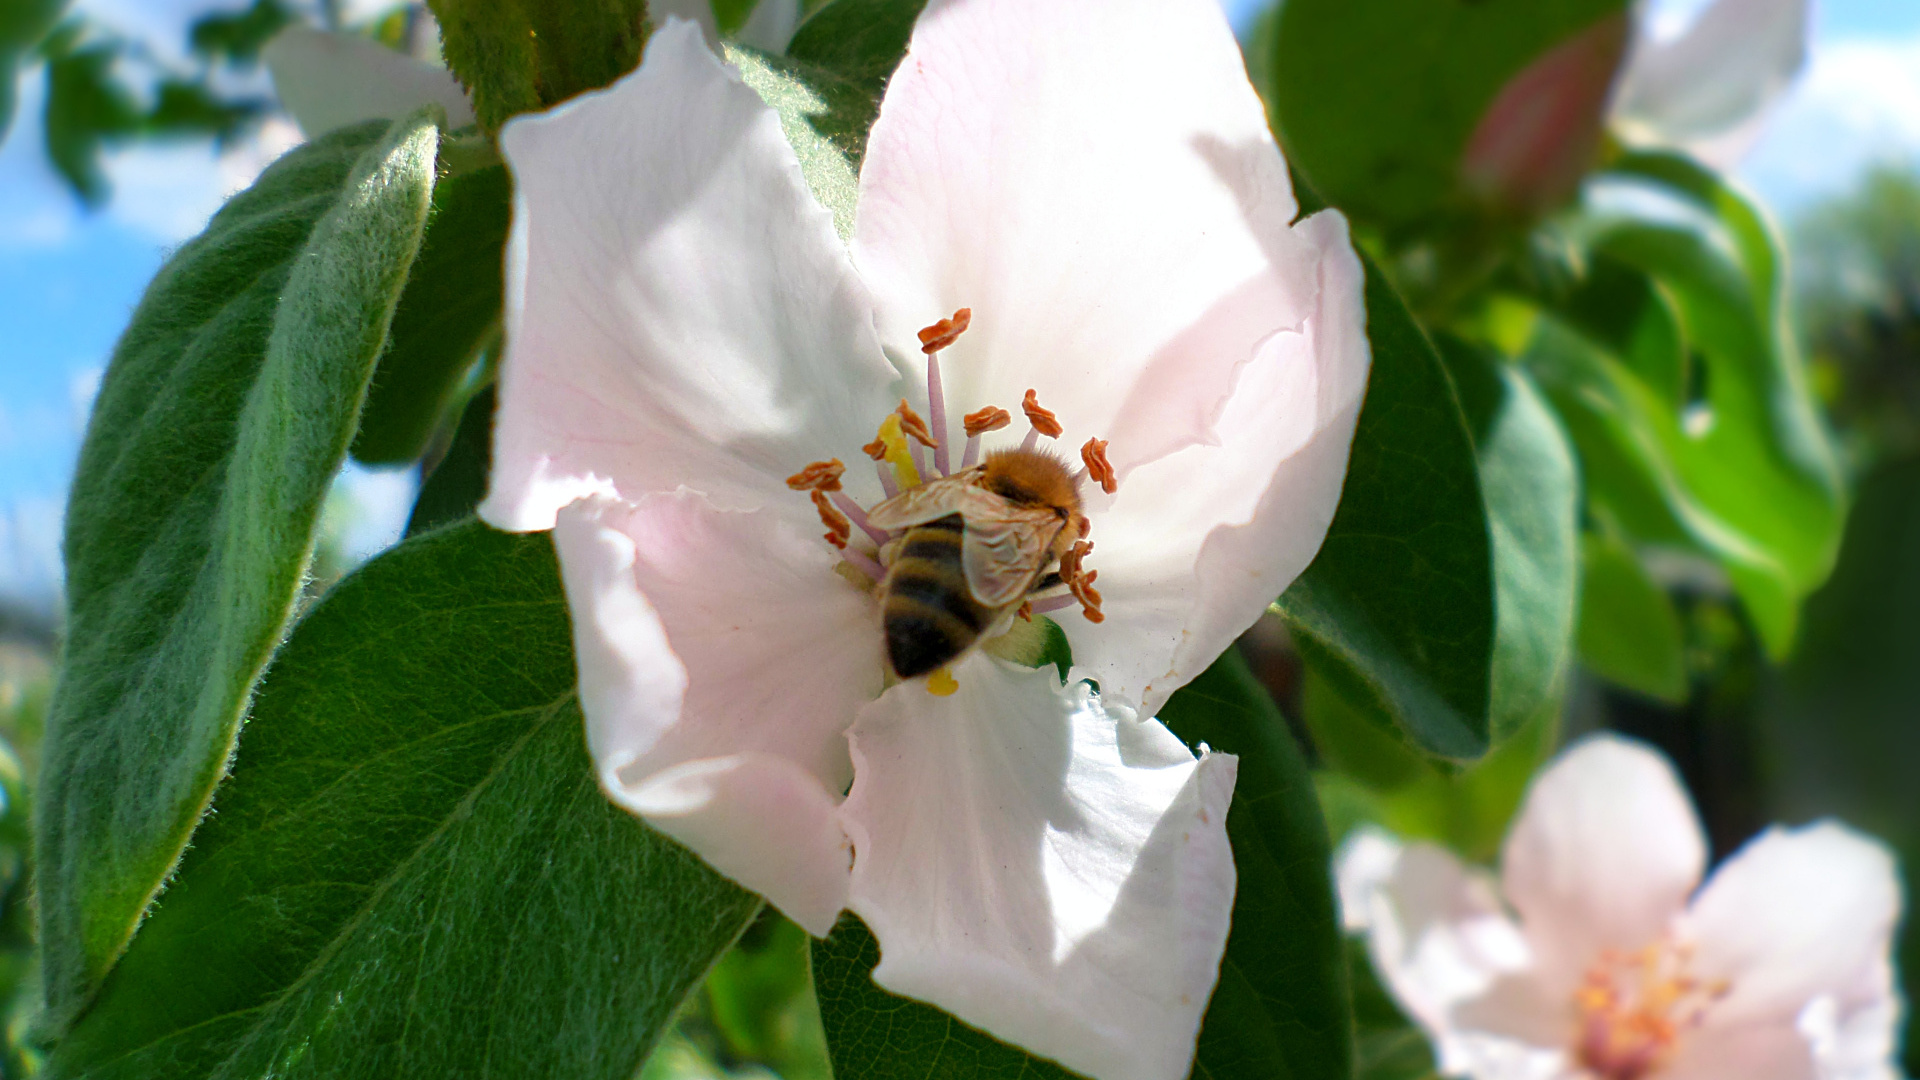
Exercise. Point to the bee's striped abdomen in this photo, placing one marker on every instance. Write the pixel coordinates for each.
(929, 615)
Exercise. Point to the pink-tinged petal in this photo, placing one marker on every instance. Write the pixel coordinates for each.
(1603, 855)
(1708, 90)
(1095, 180)
(679, 310)
(1195, 545)
(1855, 1034)
(1753, 1052)
(1046, 869)
(330, 80)
(1440, 940)
(721, 660)
(1794, 915)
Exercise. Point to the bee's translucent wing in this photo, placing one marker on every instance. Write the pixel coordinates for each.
(932, 501)
(1002, 551)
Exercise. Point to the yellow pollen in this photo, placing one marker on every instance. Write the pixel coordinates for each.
(942, 683)
(897, 454)
(1633, 1008)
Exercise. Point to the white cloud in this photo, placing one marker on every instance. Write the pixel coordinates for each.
(1857, 104)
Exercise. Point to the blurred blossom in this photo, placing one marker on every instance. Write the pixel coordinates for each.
(1610, 960)
(1539, 136)
(1707, 89)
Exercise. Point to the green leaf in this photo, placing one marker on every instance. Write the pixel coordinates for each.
(858, 40)
(1531, 486)
(450, 308)
(760, 1001)
(1280, 1008)
(459, 480)
(1629, 630)
(1375, 102)
(412, 871)
(220, 423)
(824, 116)
(1399, 605)
(516, 56)
(22, 24)
(87, 107)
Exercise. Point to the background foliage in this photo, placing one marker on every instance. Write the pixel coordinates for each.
(1622, 463)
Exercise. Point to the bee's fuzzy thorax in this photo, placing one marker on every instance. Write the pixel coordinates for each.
(1032, 478)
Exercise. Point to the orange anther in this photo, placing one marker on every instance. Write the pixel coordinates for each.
(1026, 610)
(839, 529)
(819, 476)
(1042, 420)
(1101, 470)
(991, 418)
(877, 449)
(943, 333)
(911, 423)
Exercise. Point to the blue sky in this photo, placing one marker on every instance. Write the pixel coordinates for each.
(68, 279)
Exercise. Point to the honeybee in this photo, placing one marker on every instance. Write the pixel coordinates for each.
(977, 543)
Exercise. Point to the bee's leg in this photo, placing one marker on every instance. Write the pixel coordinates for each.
(1051, 580)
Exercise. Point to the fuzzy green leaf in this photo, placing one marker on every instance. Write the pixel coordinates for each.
(450, 308)
(516, 56)
(412, 871)
(1399, 606)
(220, 423)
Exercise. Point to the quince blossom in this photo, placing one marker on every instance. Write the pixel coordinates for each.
(688, 341)
(1610, 960)
(1708, 88)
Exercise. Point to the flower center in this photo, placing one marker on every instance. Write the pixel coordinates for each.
(1633, 1008)
(957, 554)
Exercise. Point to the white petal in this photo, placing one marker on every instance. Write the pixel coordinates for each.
(1752, 1052)
(331, 80)
(1603, 854)
(1706, 90)
(1095, 180)
(1195, 545)
(1795, 914)
(1855, 1033)
(721, 659)
(1043, 868)
(679, 310)
(1439, 939)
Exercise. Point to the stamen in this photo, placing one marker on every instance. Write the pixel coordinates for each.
(1043, 420)
(863, 562)
(942, 683)
(937, 405)
(945, 332)
(1026, 611)
(1634, 1008)
(859, 517)
(819, 476)
(911, 424)
(877, 449)
(1053, 603)
(887, 482)
(839, 529)
(1095, 455)
(894, 451)
(991, 418)
(1079, 580)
